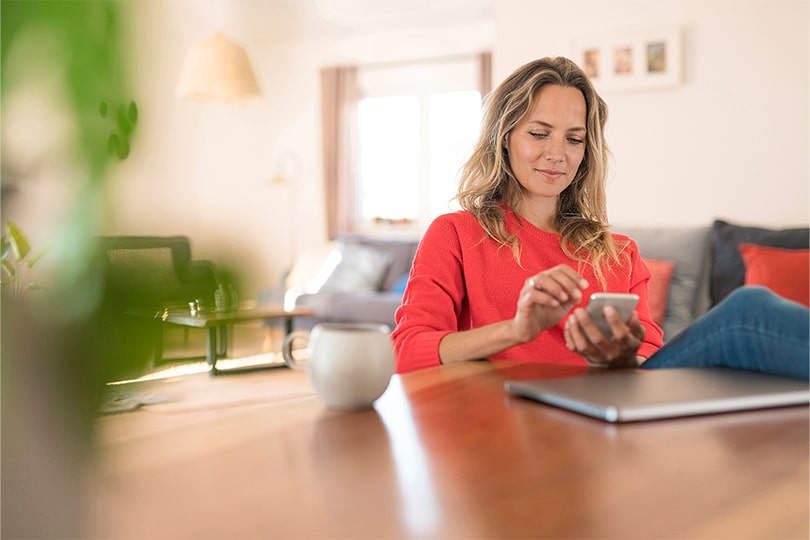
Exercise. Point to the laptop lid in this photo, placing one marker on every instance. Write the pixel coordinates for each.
(648, 394)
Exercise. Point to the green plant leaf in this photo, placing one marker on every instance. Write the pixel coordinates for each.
(9, 269)
(133, 113)
(19, 243)
(113, 144)
(6, 247)
(102, 109)
(35, 258)
(123, 149)
(123, 121)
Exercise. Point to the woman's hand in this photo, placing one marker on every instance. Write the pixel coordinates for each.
(619, 351)
(545, 299)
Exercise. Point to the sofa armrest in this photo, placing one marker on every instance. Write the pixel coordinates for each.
(372, 307)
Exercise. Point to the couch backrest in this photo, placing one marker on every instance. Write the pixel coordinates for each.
(402, 250)
(690, 249)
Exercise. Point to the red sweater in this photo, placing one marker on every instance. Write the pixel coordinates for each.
(461, 279)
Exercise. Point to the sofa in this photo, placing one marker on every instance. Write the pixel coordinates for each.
(693, 269)
(360, 279)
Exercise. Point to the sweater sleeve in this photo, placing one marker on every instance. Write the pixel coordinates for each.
(433, 299)
(639, 281)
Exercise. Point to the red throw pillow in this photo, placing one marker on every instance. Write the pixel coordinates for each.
(658, 288)
(784, 271)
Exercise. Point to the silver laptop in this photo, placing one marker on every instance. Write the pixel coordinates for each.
(647, 394)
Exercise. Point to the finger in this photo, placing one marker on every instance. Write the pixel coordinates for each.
(573, 275)
(579, 343)
(536, 293)
(569, 339)
(591, 331)
(601, 351)
(617, 325)
(561, 282)
(577, 338)
(636, 328)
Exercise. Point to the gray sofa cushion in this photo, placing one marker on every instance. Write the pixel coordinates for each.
(689, 249)
(336, 302)
(401, 251)
(728, 268)
(359, 269)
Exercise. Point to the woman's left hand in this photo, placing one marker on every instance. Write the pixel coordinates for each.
(619, 351)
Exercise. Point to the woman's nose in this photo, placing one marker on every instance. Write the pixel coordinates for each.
(554, 150)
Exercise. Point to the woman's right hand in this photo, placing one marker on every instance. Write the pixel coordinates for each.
(545, 299)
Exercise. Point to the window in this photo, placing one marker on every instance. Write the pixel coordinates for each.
(416, 126)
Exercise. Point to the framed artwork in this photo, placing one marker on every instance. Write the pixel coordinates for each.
(632, 60)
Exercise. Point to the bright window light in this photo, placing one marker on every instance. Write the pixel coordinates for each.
(416, 126)
(454, 120)
(388, 132)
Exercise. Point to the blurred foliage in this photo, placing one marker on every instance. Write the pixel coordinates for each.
(51, 359)
(17, 261)
(127, 117)
(93, 75)
(81, 44)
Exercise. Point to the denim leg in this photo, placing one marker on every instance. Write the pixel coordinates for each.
(752, 329)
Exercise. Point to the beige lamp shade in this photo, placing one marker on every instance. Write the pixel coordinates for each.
(217, 69)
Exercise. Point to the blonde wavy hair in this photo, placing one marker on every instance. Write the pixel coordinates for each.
(488, 183)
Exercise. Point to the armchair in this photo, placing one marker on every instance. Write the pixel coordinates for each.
(142, 275)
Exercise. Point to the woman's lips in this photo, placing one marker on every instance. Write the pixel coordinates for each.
(550, 173)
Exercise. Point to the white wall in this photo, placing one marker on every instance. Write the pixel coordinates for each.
(731, 141)
(206, 171)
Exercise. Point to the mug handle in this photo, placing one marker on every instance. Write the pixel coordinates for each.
(286, 349)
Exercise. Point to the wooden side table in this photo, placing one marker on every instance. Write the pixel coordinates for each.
(217, 322)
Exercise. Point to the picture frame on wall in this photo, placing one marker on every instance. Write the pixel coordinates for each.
(632, 60)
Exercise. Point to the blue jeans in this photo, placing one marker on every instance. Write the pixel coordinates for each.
(752, 329)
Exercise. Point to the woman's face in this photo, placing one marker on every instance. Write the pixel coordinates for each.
(548, 144)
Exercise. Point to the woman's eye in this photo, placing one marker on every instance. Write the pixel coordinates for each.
(574, 140)
(537, 135)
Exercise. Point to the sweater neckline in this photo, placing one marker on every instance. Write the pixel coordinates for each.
(521, 225)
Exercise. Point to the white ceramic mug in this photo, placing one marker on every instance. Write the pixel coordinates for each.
(349, 364)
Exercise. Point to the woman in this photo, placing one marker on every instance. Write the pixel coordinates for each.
(497, 279)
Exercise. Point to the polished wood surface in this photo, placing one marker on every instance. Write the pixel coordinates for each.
(445, 453)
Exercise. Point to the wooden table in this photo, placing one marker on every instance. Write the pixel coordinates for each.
(446, 453)
(218, 321)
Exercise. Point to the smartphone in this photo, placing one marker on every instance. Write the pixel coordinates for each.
(623, 303)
